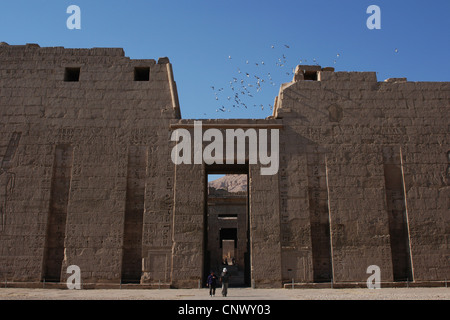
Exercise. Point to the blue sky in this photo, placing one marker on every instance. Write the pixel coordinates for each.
(199, 36)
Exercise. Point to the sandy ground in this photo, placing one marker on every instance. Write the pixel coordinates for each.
(233, 294)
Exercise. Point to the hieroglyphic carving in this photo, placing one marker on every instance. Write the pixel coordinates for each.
(143, 136)
(7, 177)
(67, 135)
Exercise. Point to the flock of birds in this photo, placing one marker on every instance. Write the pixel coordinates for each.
(245, 85)
(251, 79)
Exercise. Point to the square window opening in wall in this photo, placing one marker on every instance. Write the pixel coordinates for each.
(72, 74)
(310, 75)
(141, 73)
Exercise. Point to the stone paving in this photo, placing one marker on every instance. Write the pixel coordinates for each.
(441, 293)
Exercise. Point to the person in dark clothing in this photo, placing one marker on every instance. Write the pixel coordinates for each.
(211, 282)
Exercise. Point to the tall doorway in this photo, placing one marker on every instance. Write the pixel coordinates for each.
(227, 232)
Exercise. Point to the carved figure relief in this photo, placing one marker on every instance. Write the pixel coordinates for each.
(7, 177)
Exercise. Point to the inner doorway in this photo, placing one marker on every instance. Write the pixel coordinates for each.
(227, 232)
(228, 242)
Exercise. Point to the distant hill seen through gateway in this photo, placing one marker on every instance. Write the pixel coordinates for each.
(230, 182)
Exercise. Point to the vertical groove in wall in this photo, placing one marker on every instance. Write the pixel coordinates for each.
(329, 222)
(397, 216)
(56, 224)
(134, 213)
(319, 215)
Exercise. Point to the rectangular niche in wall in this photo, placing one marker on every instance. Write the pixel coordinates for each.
(320, 219)
(397, 215)
(56, 223)
(134, 213)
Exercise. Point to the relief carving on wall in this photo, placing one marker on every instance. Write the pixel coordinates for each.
(7, 177)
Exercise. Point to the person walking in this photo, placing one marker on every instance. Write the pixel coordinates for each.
(224, 279)
(211, 282)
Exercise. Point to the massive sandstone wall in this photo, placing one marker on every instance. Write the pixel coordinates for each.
(86, 176)
(364, 177)
(84, 162)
